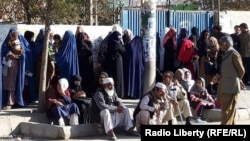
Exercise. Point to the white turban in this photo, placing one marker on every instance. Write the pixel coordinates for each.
(64, 83)
(108, 80)
(160, 85)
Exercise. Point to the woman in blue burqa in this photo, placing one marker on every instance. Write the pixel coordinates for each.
(66, 57)
(38, 46)
(114, 67)
(134, 68)
(1, 98)
(13, 72)
(37, 53)
(29, 96)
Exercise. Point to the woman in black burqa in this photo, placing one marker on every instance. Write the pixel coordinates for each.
(85, 58)
(114, 60)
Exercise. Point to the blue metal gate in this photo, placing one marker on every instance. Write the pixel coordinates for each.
(131, 19)
(188, 19)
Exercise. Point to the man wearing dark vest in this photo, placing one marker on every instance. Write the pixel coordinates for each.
(230, 84)
(152, 107)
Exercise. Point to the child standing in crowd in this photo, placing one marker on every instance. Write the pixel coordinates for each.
(14, 44)
(200, 99)
(212, 89)
(57, 42)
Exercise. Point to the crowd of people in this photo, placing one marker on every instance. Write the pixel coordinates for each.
(71, 84)
(198, 72)
(194, 76)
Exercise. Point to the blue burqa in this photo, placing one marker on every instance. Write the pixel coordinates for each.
(38, 45)
(37, 53)
(1, 98)
(134, 68)
(67, 58)
(29, 69)
(21, 69)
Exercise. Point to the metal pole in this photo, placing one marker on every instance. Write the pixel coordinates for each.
(213, 5)
(91, 12)
(148, 33)
(96, 12)
(169, 4)
(219, 12)
(113, 11)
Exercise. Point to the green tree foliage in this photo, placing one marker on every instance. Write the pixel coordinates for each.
(76, 11)
(234, 5)
(63, 11)
(108, 11)
(104, 11)
(11, 10)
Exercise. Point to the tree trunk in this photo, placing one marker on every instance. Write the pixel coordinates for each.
(43, 72)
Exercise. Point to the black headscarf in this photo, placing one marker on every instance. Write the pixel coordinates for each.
(76, 78)
(29, 35)
(73, 86)
(104, 73)
(114, 36)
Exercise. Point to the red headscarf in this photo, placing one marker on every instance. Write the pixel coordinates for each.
(171, 34)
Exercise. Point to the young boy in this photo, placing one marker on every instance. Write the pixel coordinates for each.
(212, 89)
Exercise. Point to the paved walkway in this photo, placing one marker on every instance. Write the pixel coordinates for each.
(29, 122)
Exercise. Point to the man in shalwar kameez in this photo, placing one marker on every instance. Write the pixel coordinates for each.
(110, 111)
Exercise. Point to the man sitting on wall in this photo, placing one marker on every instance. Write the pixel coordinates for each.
(108, 109)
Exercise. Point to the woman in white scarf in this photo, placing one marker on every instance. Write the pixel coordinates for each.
(60, 103)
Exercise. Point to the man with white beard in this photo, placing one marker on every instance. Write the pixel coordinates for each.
(110, 111)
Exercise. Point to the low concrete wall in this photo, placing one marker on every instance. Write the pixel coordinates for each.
(212, 115)
(10, 120)
(39, 130)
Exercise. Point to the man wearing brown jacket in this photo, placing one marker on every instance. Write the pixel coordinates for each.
(245, 51)
(232, 71)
